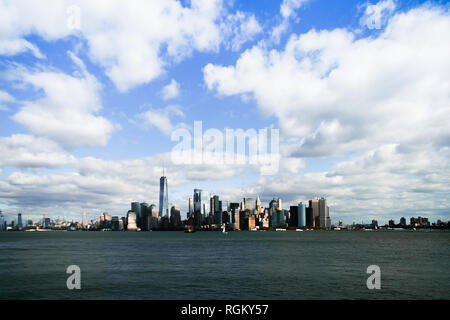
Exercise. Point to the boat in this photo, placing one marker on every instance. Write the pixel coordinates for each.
(189, 230)
(280, 229)
(223, 230)
(299, 230)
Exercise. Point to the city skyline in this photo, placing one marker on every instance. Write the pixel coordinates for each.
(358, 92)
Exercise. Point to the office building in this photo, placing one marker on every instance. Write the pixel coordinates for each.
(250, 204)
(163, 198)
(2, 221)
(324, 216)
(84, 222)
(201, 202)
(314, 205)
(191, 207)
(136, 208)
(293, 216)
(19, 221)
(301, 215)
(131, 221)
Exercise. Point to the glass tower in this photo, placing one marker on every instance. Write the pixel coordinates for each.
(163, 198)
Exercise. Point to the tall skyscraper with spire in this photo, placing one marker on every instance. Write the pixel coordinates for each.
(163, 197)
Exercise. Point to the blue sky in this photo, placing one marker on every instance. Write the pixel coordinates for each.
(359, 91)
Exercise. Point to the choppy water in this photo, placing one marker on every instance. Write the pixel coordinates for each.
(240, 265)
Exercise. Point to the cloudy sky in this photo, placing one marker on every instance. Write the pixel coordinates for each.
(90, 92)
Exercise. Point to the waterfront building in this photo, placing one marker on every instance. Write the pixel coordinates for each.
(163, 198)
(115, 224)
(309, 217)
(324, 215)
(19, 220)
(191, 207)
(175, 217)
(201, 202)
(136, 208)
(314, 205)
(2, 221)
(250, 204)
(143, 220)
(278, 219)
(293, 217)
(84, 220)
(403, 221)
(131, 221)
(301, 215)
(234, 208)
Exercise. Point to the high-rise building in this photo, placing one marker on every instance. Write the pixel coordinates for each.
(324, 215)
(403, 221)
(191, 207)
(19, 221)
(201, 202)
(2, 221)
(309, 217)
(163, 198)
(234, 208)
(293, 216)
(136, 208)
(301, 214)
(175, 217)
(250, 204)
(314, 205)
(84, 220)
(131, 221)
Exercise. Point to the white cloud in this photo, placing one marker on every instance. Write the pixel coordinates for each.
(161, 118)
(288, 7)
(134, 43)
(25, 151)
(171, 91)
(5, 97)
(376, 15)
(288, 10)
(67, 111)
(240, 28)
(335, 93)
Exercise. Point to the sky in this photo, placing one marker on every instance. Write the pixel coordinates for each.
(91, 93)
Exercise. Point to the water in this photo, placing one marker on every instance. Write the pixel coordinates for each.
(240, 265)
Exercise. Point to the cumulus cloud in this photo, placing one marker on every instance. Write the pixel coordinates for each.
(288, 7)
(161, 118)
(240, 28)
(25, 151)
(288, 10)
(336, 93)
(133, 43)
(376, 15)
(171, 91)
(5, 97)
(67, 112)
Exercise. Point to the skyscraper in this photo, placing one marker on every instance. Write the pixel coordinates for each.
(201, 202)
(301, 215)
(324, 216)
(84, 220)
(191, 207)
(136, 208)
(19, 220)
(314, 205)
(131, 221)
(163, 198)
(2, 221)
